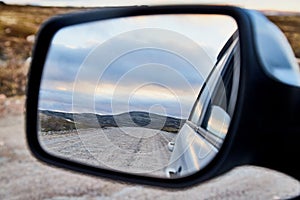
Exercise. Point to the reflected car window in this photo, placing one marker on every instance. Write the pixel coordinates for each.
(218, 114)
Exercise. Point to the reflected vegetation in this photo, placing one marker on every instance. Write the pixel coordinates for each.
(119, 94)
(60, 121)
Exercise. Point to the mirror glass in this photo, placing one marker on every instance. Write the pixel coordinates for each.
(149, 95)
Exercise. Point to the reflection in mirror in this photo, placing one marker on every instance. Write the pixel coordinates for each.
(151, 95)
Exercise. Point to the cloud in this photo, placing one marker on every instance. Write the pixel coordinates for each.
(152, 65)
(55, 100)
(63, 62)
(136, 68)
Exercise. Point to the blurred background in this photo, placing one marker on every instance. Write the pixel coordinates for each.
(22, 177)
(19, 25)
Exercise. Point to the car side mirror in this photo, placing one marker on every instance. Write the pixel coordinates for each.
(218, 122)
(127, 93)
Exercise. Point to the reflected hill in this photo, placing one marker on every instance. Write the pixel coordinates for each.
(61, 121)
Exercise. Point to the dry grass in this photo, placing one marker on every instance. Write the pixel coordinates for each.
(18, 25)
(290, 25)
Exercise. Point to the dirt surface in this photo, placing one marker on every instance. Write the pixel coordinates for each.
(134, 149)
(23, 177)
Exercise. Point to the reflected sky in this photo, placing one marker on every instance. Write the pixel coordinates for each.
(143, 63)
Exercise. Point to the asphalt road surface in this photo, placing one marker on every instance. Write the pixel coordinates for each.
(23, 177)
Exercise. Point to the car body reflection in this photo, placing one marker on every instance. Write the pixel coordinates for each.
(203, 134)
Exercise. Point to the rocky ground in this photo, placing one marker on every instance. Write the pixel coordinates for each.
(23, 177)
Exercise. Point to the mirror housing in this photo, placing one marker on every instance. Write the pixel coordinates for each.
(264, 127)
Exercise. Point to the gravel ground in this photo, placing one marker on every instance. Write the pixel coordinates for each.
(134, 149)
(23, 177)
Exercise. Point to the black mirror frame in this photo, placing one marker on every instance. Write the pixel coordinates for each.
(248, 140)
